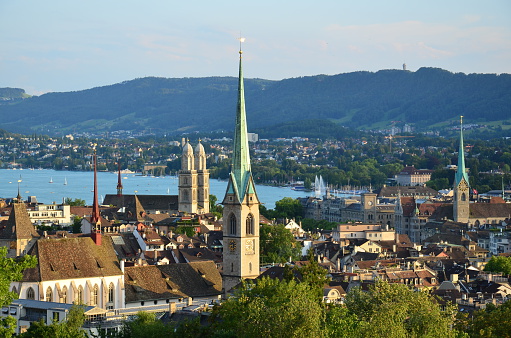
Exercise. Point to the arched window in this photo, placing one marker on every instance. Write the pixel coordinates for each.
(250, 224)
(30, 293)
(463, 197)
(80, 295)
(233, 224)
(49, 294)
(111, 293)
(185, 195)
(95, 295)
(250, 266)
(64, 294)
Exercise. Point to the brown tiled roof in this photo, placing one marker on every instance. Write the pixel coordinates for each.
(143, 283)
(147, 202)
(18, 225)
(197, 279)
(406, 191)
(70, 258)
(485, 210)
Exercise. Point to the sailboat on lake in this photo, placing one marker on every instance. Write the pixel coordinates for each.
(65, 180)
(51, 180)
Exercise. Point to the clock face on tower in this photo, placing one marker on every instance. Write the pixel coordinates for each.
(249, 245)
(232, 245)
(463, 186)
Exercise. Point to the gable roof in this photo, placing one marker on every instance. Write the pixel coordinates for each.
(196, 279)
(18, 225)
(71, 258)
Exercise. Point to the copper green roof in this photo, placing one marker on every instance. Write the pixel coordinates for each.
(461, 172)
(240, 172)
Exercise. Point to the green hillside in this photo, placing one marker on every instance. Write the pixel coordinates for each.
(429, 97)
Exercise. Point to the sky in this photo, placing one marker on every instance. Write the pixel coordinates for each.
(70, 45)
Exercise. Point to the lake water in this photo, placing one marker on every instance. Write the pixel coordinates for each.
(80, 185)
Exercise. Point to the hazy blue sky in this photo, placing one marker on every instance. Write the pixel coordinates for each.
(65, 45)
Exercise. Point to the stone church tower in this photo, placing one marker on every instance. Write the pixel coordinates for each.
(188, 181)
(241, 206)
(193, 180)
(461, 203)
(202, 180)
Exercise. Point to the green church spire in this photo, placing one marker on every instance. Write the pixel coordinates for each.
(461, 172)
(241, 171)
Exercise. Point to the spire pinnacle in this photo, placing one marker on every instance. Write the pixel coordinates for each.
(119, 181)
(95, 218)
(241, 157)
(461, 172)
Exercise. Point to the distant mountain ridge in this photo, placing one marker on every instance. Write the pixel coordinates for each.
(426, 97)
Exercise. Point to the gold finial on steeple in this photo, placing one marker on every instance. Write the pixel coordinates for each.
(241, 40)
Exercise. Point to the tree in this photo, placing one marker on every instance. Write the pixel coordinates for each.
(70, 328)
(270, 308)
(494, 321)
(395, 310)
(144, 325)
(289, 208)
(499, 264)
(77, 225)
(11, 270)
(277, 244)
(215, 208)
(76, 202)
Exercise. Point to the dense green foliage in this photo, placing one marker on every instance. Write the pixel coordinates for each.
(11, 270)
(499, 264)
(277, 244)
(492, 322)
(70, 328)
(425, 97)
(12, 93)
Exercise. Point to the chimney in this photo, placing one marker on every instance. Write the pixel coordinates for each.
(190, 301)
(454, 277)
(172, 307)
(122, 264)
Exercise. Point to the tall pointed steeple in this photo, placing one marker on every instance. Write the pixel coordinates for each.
(241, 206)
(119, 181)
(95, 218)
(241, 155)
(461, 172)
(461, 197)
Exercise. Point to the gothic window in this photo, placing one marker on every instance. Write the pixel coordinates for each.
(232, 267)
(30, 293)
(95, 295)
(185, 195)
(80, 295)
(49, 294)
(250, 224)
(463, 197)
(250, 266)
(185, 180)
(111, 293)
(64, 295)
(232, 224)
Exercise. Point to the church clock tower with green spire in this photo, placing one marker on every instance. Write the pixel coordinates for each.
(241, 206)
(461, 200)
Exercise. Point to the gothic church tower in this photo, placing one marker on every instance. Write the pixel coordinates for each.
(461, 206)
(241, 206)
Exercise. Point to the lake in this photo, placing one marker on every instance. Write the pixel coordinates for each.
(81, 183)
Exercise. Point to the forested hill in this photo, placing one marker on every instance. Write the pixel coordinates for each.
(425, 98)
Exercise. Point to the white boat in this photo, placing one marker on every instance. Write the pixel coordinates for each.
(65, 181)
(51, 180)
